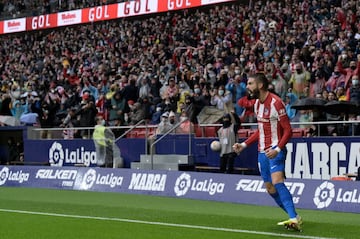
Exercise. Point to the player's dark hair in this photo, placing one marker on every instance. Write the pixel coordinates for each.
(261, 78)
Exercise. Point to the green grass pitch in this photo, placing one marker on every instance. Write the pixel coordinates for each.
(47, 213)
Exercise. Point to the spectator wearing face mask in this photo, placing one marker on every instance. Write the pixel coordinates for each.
(227, 137)
(354, 91)
(192, 108)
(238, 89)
(172, 118)
(353, 69)
(336, 79)
(222, 99)
(163, 127)
(186, 125)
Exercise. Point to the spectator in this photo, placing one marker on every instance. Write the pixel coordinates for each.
(186, 125)
(299, 81)
(136, 114)
(131, 91)
(332, 128)
(192, 109)
(355, 90)
(337, 79)
(118, 108)
(227, 135)
(68, 123)
(222, 99)
(237, 87)
(163, 127)
(86, 112)
(289, 101)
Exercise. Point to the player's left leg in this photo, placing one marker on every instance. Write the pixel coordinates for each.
(264, 167)
(277, 169)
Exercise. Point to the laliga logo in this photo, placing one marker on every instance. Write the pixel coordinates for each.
(4, 173)
(88, 179)
(56, 155)
(182, 184)
(324, 195)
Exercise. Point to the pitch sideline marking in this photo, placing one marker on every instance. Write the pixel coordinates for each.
(163, 224)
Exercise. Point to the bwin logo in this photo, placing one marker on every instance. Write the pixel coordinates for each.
(182, 184)
(56, 155)
(324, 195)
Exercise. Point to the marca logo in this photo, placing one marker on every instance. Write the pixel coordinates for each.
(326, 193)
(148, 182)
(91, 177)
(325, 160)
(59, 155)
(16, 176)
(184, 183)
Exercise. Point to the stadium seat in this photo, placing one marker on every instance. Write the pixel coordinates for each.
(131, 134)
(198, 130)
(251, 131)
(341, 178)
(210, 131)
(298, 132)
(243, 133)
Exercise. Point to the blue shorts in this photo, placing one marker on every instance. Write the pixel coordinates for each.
(268, 166)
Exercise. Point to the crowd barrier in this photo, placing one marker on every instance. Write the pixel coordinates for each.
(307, 193)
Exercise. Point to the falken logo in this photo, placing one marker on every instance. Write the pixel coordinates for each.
(184, 183)
(59, 155)
(16, 176)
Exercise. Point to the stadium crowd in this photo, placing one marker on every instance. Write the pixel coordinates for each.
(133, 69)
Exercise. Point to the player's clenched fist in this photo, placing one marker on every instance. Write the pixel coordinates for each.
(237, 147)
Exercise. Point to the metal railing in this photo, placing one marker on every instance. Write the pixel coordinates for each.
(33, 131)
(163, 136)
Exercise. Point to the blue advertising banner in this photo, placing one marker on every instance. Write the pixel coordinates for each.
(327, 195)
(307, 158)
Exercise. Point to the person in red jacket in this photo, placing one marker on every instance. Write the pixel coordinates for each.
(273, 133)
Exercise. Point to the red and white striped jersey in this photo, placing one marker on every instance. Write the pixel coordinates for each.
(274, 127)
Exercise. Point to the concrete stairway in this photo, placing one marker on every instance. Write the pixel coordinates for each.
(163, 162)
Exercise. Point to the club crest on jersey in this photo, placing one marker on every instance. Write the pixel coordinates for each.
(266, 111)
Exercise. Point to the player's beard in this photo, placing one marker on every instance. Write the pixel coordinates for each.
(253, 94)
